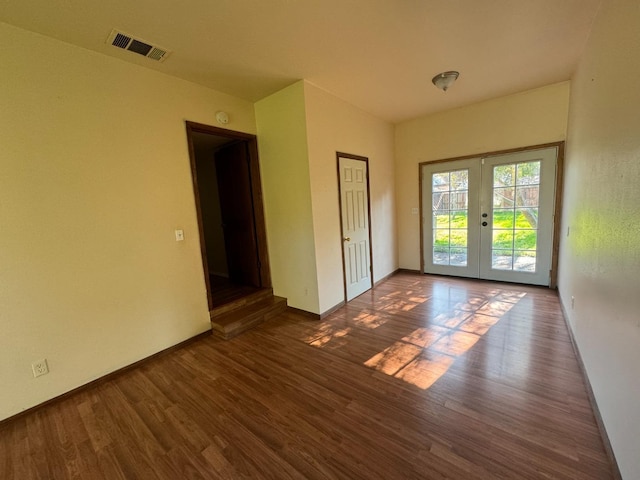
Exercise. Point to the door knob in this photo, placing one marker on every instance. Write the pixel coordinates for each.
(346, 239)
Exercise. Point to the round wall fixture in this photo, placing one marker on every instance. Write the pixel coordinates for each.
(222, 117)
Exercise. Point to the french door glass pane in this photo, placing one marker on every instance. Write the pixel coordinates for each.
(516, 198)
(450, 205)
(504, 175)
(503, 197)
(502, 259)
(528, 173)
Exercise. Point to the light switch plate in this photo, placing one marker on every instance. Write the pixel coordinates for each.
(179, 235)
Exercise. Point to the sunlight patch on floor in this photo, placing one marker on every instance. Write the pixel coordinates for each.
(425, 337)
(369, 320)
(425, 369)
(394, 357)
(326, 334)
(423, 356)
(426, 353)
(404, 303)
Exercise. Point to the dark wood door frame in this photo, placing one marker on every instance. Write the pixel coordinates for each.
(256, 189)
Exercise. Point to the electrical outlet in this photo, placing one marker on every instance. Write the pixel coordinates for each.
(40, 367)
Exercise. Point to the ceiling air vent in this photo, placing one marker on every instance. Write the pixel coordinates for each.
(127, 42)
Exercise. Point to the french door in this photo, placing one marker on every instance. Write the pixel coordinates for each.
(490, 217)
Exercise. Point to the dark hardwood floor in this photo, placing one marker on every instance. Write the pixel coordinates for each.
(421, 378)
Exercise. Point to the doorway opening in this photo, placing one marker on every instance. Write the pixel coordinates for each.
(228, 196)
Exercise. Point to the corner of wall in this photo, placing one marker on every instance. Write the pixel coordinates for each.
(284, 166)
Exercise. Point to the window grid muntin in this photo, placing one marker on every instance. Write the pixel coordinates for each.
(516, 190)
(450, 217)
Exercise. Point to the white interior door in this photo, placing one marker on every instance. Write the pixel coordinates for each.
(354, 203)
(491, 217)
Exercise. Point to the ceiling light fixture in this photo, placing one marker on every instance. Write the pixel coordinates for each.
(445, 79)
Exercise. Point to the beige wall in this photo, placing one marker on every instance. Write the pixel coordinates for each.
(284, 168)
(300, 129)
(94, 178)
(529, 118)
(600, 258)
(336, 126)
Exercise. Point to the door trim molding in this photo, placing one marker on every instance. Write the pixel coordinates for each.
(557, 210)
(351, 156)
(256, 188)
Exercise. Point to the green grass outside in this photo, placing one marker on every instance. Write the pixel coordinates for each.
(502, 219)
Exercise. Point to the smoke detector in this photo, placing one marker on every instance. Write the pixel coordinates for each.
(135, 45)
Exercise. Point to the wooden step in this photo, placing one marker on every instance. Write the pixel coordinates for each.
(254, 297)
(231, 323)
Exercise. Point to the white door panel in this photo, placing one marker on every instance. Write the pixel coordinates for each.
(354, 200)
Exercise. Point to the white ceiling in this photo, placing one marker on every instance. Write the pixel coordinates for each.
(379, 55)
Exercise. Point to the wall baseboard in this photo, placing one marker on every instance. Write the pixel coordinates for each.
(310, 315)
(386, 277)
(408, 270)
(104, 378)
(592, 398)
(328, 312)
(317, 316)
